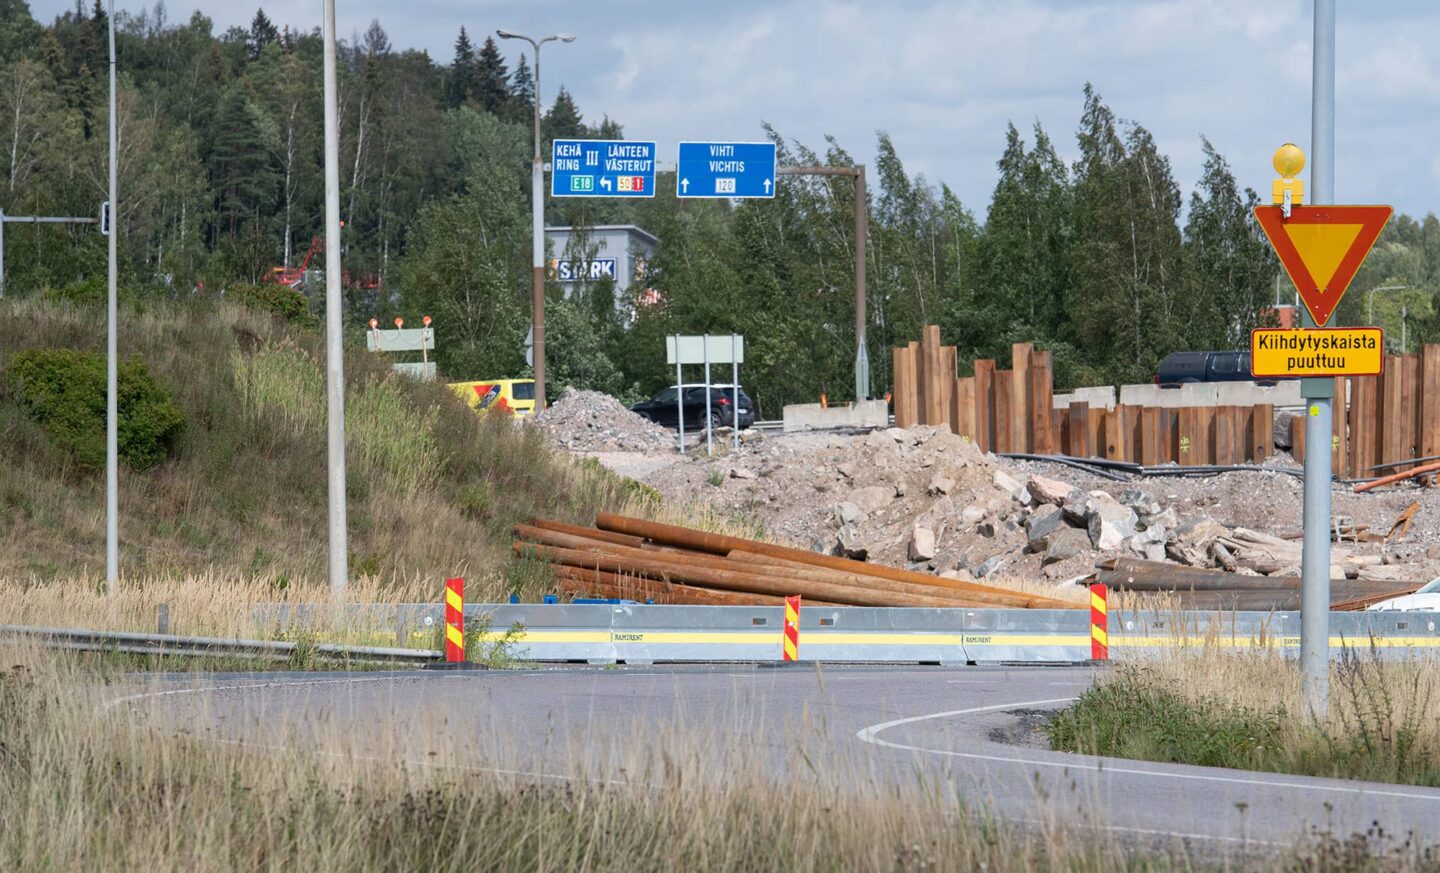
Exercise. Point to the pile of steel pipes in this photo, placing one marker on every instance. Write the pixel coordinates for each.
(634, 559)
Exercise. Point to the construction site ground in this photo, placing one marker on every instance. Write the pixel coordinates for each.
(928, 500)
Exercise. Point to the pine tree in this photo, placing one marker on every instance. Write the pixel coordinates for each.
(563, 120)
(262, 33)
(609, 128)
(377, 41)
(492, 79)
(522, 93)
(461, 84)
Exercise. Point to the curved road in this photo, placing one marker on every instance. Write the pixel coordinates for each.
(975, 729)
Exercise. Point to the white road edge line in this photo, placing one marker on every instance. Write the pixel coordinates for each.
(872, 733)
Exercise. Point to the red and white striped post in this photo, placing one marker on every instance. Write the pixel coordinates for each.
(1099, 623)
(454, 621)
(790, 648)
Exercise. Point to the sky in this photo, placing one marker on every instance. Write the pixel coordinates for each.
(943, 77)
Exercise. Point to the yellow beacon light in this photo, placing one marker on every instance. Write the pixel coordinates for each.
(1288, 191)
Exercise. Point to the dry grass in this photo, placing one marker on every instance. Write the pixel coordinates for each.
(207, 604)
(81, 784)
(433, 488)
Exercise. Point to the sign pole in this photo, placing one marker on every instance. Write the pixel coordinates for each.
(709, 447)
(679, 395)
(1319, 396)
(734, 395)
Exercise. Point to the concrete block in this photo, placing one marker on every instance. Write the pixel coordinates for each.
(813, 416)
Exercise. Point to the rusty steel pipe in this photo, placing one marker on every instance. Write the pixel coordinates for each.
(1009, 599)
(721, 544)
(762, 565)
(574, 579)
(730, 580)
(551, 524)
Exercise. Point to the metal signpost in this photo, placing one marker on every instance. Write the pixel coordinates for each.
(707, 350)
(402, 339)
(602, 168)
(1321, 246)
(726, 169)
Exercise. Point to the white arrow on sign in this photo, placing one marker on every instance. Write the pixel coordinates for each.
(684, 185)
(767, 186)
(605, 182)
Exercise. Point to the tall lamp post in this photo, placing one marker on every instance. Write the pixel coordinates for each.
(537, 208)
(112, 387)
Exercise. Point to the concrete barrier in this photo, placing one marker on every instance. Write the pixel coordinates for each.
(1101, 397)
(1213, 394)
(637, 633)
(813, 416)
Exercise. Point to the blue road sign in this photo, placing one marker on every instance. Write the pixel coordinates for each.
(602, 168)
(726, 169)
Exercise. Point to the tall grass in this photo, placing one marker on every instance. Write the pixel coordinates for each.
(283, 385)
(85, 786)
(432, 487)
(1227, 709)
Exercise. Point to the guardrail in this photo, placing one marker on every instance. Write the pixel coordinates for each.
(644, 634)
(87, 640)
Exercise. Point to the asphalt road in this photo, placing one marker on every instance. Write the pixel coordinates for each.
(974, 729)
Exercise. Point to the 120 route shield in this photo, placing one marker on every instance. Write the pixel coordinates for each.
(1332, 351)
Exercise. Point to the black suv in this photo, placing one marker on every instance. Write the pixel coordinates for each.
(662, 408)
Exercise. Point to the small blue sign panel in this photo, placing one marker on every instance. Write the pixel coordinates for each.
(602, 168)
(726, 169)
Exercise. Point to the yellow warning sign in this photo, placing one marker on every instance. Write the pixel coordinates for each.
(1332, 351)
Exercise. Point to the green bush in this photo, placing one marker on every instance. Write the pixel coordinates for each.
(277, 299)
(64, 391)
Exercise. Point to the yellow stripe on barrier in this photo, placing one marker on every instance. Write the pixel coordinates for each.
(452, 599)
(817, 637)
(453, 635)
(1097, 602)
(1277, 642)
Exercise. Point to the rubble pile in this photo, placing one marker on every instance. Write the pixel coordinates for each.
(589, 421)
(929, 501)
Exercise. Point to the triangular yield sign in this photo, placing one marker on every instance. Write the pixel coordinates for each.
(1322, 248)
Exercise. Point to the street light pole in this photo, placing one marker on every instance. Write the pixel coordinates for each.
(112, 386)
(338, 563)
(537, 216)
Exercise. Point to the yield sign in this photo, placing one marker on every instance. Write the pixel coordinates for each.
(1322, 248)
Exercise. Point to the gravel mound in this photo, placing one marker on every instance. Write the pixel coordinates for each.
(590, 421)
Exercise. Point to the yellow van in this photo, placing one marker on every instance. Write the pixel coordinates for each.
(514, 396)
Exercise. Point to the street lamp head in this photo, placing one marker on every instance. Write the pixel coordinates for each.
(505, 34)
(565, 37)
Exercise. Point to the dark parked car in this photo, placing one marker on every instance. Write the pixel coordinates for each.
(1179, 368)
(662, 408)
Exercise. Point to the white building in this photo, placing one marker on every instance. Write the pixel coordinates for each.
(581, 256)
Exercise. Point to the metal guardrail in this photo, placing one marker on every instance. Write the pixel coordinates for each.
(642, 634)
(87, 640)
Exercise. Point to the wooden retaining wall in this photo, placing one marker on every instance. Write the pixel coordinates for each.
(1394, 417)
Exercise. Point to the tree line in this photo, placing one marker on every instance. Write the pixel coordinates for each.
(221, 169)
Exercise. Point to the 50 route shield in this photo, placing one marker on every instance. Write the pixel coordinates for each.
(1335, 351)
